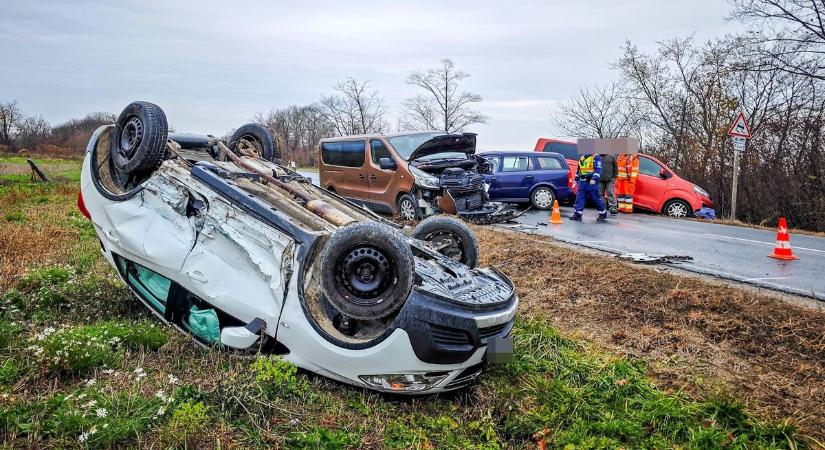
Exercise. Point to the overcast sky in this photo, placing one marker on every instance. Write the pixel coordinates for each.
(211, 65)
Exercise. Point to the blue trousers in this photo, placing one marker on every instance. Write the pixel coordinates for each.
(588, 191)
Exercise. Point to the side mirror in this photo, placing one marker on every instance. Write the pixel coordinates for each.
(387, 164)
(663, 174)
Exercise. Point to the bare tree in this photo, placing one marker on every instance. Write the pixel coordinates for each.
(601, 111)
(442, 106)
(355, 109)
(10, 118)
(298, 128)
(787, 34)
(32, 131)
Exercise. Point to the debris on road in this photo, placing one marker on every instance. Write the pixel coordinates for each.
(647, 258)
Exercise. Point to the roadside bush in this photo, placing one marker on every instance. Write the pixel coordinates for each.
(320, 437)
(188, 421)
(9, 333)
(81, 348)
(85, 417)
(278, 378)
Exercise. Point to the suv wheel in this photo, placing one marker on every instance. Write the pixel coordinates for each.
(677, 208)
(407, 208)
(543, 198)
(366, 270)
(452, 238)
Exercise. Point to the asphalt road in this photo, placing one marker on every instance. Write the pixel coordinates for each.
(726, 251)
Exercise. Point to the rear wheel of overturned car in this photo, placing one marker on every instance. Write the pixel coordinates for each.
(255, 140)
(366, 270)
(407, 209)
(139, 141)
(542, 197)
(450, 237)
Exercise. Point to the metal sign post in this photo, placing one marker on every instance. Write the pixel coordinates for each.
(740, 132)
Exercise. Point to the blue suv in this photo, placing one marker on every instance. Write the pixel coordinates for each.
(521, 177)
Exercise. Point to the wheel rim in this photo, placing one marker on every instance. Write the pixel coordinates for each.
(543, 198)
(249, 143)
(364, 274)
(406, 209)
(677, 209)
(448, 244)
(131, 136)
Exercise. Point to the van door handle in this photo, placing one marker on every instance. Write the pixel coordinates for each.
(360, 175)
(528, 177)
(198, 276)
(372, 177)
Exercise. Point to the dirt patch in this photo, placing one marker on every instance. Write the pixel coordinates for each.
(697, 336)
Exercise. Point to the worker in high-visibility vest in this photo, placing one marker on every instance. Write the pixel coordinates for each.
(626, 181)
(587, 177)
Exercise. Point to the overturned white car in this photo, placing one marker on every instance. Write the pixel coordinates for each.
(229, 246)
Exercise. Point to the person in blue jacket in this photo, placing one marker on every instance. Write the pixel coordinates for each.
(587, 177)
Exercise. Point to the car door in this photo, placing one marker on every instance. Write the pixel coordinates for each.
(494, 190)
(382, 183)
(345, 168)
(650, 186)
(515, 178)
(549, 170)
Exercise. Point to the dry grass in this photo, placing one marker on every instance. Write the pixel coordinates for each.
(696, 336)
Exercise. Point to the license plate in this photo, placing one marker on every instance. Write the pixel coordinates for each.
(499, 349)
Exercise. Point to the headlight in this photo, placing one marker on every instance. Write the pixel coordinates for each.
(701, 191)
(423, 179)
(403, 382)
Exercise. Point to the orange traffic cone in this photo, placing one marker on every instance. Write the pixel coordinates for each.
(555, 216)
(783, 243)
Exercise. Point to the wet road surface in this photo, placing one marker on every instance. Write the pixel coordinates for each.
(727, 251)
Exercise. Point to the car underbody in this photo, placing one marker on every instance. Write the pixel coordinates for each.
(213, 235)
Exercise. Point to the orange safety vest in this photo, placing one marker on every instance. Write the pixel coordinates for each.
(628, 166)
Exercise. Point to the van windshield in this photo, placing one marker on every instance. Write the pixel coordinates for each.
(405, 144)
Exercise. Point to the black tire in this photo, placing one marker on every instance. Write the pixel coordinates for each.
(139, 141)
(367, 270)
(406, 208)
(678, 209)
(542, 197)
(452, 237)
(259, 137)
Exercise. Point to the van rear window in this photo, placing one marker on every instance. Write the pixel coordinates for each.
(569, 151)
(343, 153)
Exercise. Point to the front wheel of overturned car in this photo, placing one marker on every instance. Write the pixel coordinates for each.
(450, 237)
(255, 139)
(407, 209)
(139, 141)
(366, 270)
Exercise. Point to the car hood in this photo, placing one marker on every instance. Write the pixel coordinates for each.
(446, 143)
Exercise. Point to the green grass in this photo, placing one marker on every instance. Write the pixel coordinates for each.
(71, 335)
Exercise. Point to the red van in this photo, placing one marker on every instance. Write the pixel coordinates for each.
(658, 188)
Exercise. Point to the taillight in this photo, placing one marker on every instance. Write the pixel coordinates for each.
(81, 205)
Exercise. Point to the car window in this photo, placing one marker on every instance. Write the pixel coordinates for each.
(548, 163)
(516, 164)
(649, 167)
(377, 151)
(343, 153)
(493, 160)
(568, 150)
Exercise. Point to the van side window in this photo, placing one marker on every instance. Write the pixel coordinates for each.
(378, 151)
(649, 167)
(343, 153)
(548, 163)
(516, 164)
(567, 150)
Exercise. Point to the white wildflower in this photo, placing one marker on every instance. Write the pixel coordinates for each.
(83, 437)
(161, 411)
(173, 379)
(90, 382)
(101, 412)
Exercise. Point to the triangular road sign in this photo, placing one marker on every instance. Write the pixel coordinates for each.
(739, 127)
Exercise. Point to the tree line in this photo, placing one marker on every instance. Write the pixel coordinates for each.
(680, 99)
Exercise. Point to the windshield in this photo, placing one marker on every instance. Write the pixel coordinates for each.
(405, 144)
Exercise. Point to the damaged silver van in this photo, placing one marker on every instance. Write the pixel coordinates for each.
(224, 243)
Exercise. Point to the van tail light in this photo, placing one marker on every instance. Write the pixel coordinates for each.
(81, 205)
(571, 183)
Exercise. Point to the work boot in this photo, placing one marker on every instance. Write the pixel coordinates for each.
(602, 217)
(576, 216)
(614, 212)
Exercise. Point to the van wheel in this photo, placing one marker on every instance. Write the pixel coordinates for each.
(407, 209)
(677, 208)
(366, 270)
(542, 198)
(255, 139)
(452, 238)
(139, 141)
